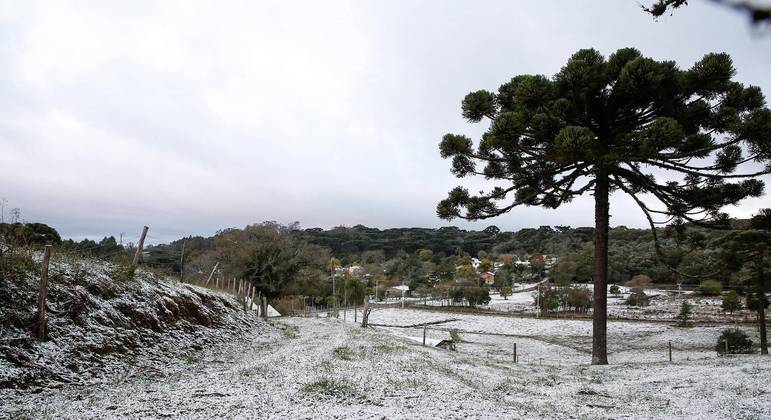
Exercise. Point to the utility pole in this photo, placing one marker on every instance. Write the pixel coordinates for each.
(140, 246)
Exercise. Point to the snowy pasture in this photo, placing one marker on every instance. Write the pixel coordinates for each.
(552, 341)
(325, 368)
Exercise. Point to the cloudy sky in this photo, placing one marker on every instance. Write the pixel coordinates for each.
(193, 116)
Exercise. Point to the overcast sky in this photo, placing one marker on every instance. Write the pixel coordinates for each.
(195, 116)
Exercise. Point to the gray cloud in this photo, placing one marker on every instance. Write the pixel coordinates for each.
(191, 117)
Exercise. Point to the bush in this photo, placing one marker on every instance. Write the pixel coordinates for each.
(454, 336)
(732, 302)
(477, 295)
(547, 298)
(638, 298)
(578, 299)
(711, 287)
(615, 290)
(738, 342)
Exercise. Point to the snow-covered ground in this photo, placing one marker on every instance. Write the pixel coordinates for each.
(324, 368)
(553, 341)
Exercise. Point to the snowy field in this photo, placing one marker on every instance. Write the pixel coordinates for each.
(323, 368)
(552, 341)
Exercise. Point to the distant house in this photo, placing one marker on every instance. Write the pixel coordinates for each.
(398, 291)
(357, 271)
(488, 278)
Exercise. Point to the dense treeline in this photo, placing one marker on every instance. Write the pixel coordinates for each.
(288, 260)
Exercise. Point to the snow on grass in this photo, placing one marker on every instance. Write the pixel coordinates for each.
(323, 368)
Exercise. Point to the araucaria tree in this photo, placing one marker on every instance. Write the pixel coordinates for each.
(682, 143)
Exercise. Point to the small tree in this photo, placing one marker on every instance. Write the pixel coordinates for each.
(615, 290)
(686, 312)
(505, 292)
(731, 302)
(637, 297)
(547, 298)
(735, 341)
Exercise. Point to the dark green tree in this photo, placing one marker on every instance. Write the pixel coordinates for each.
(750, 249)
(686, 312)
(601, 125)
(731, 302)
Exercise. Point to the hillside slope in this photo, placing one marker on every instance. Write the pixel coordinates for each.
(103, 323)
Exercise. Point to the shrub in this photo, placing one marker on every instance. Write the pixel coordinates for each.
(711, 287)
(738, 342)
(547, 298)
(615, 290)
(637, 298)
(477, 295)
(578, 299)
(455, 336)
(732, 302)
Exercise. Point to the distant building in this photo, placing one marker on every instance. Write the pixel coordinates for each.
(488, 278)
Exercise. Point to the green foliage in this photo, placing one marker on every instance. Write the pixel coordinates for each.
(476, 296)
(637, 297)
(711, 287)
(754, 300)
(26, 234)
(731, 302)
(551, 138)
(578, 299)
(330, 387)
(575, 267)
(738, 342)
(686, 313)
(547, 298)
(505, 291)
(614, 290)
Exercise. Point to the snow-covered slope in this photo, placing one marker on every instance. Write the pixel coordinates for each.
(102, 323)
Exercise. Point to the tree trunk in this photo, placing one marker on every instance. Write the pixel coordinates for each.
(600, 307)
(762, 308)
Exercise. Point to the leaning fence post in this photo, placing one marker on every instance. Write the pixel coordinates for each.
(41, 296)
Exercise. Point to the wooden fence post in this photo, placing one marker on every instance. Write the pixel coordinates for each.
(514, 355)
(670, 351)
(40, 332)
(265, 307)
(140, 246)
(182, 262)
(424, 333)
(212, 273)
